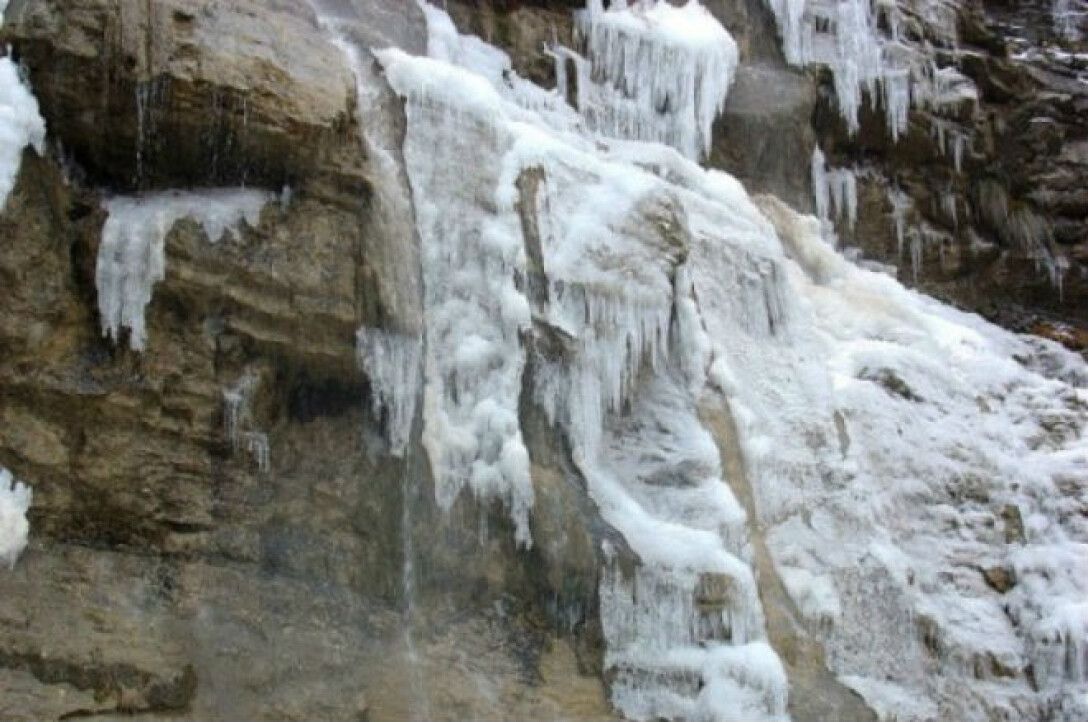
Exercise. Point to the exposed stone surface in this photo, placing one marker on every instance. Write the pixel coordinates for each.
(1000, 579)
(168, 574)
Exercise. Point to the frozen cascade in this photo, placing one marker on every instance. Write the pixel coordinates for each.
(659, 287)
(132, 255)
(654, 72)
(474, 311)
(607, 243)
(14, 502)
(660, 284)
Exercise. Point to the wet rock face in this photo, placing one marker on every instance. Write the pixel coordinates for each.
(201, 93)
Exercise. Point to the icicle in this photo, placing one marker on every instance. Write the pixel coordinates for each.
(21, 126)
(844, 36)
(820, 185)
(901, 204)
(1068, 18)
(659, 72)
(236, 406)
(238, 420)
(836, 190)
(256, 445)
(392, 362)
(948, 205)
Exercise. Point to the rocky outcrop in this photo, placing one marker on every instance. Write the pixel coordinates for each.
(1002, 230)
(219, 529)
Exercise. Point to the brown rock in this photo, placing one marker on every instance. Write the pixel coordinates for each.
(1014, 524)
(1000, 579)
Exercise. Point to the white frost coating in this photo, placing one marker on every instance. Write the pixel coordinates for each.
(655, 72)
(14, 501)
(947, 442)
(391, 361)
(132, 255)
(21, 125)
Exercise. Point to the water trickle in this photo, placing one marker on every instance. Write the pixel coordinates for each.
(149, 96)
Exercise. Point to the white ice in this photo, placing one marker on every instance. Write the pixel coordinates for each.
(655, 71)
(391, 362)
(15, 500)
(21, 125)
(132, 255)
(862, 44)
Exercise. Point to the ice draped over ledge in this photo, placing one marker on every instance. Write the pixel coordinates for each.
(132, 256)
(654, 72)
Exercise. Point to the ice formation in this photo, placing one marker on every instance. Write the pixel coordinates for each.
(132, 255)
(14, 501)
(391, 361)
(21, 125)
(867, 52)
(653, 71)
(835, 189)
(549, 233)
(1069, 18)
(892, 444)
(952, 141)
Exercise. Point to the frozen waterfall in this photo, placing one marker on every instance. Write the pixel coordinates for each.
(669, 290)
